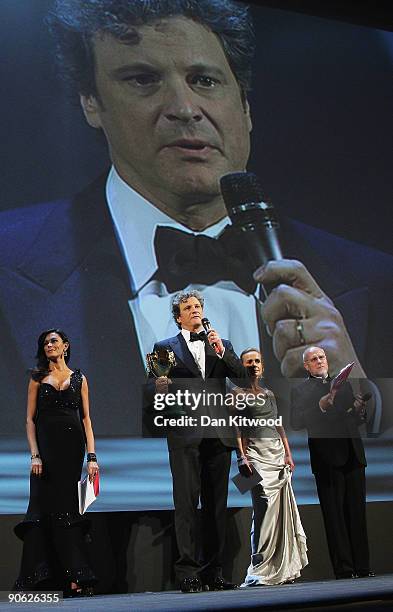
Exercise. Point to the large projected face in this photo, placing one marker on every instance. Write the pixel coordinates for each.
(171, 110)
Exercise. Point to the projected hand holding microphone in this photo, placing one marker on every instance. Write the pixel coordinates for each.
(295, 310)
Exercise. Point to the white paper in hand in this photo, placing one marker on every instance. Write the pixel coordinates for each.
(88, 492)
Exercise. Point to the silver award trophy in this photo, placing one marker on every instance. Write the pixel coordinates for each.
(159, 363)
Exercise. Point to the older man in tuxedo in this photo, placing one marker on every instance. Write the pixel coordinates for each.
(337, 461)
(199, 458)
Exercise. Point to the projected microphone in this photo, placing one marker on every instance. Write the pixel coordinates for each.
(207, 327)
(365, 398)
(254, 220)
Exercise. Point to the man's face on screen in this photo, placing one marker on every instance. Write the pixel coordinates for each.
(171, 110)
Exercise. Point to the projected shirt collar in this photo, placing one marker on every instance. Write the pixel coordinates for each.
(135, 220)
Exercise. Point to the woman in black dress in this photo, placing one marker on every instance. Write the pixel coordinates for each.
(58, 431)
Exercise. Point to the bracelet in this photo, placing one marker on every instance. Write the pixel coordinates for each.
(35, 456)
(91, 457)
(241, 458)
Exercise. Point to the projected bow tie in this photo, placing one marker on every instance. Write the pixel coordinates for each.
(185, 259)
(194, 337)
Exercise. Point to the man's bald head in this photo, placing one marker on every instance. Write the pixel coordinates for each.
(315, 361)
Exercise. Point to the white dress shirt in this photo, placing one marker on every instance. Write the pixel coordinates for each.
(197, 350)
(230, 310)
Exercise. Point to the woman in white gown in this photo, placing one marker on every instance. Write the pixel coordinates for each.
(278, 541)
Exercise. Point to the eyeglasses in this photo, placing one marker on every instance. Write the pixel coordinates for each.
(317, 358)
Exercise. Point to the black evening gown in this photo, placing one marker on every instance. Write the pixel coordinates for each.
(53, 531)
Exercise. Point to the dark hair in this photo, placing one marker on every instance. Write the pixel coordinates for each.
(183, 296)
(42, 367)
(73, 24)
(249, 350)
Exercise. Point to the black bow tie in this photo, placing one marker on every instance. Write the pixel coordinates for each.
(194, 337)
(185, 258)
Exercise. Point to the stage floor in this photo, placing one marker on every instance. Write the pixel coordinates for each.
(337, 595)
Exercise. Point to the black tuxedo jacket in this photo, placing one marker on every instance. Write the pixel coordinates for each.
(185, 375)
(61, 266)
(332, 435)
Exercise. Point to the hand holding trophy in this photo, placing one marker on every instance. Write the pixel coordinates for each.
(159, 363)
(162, 384)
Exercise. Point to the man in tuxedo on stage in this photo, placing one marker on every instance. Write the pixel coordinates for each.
(199, 457)
(338, 461)
(168, 88)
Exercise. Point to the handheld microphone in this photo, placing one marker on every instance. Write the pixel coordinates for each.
(207, 327)
(253, 219)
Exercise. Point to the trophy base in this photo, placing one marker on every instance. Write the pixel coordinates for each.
(174, 412)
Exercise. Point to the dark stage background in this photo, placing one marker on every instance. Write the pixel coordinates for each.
(135, 551)
(322, 112)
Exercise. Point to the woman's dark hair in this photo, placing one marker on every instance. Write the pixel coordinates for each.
(73, 24)
(251, 350)
(42, 367)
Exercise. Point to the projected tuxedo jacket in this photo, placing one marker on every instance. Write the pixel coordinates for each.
(60, 265)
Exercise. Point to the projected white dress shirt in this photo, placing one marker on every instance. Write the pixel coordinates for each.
(230, 310)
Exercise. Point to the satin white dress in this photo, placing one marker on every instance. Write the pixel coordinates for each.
(278, 541)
